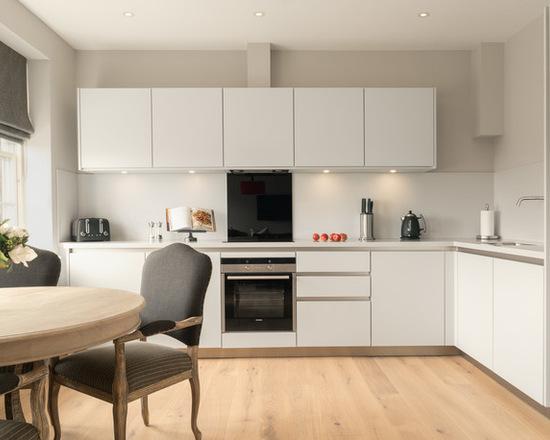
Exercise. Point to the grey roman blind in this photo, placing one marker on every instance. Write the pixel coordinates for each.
(14, 114)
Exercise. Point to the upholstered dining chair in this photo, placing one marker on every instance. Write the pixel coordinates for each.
(16, 430)
(44, 270)
(174, 284)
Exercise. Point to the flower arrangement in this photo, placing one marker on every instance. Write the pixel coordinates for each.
(13, 248)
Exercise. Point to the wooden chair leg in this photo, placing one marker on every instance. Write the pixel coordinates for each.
(53, 407)
(145, 410)
(120, 412)
(195, 392)
(120, 393)
(195, 402)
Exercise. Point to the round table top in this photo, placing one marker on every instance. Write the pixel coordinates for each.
(42, 322)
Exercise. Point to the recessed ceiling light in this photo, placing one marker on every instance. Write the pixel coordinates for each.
(424, 14)
(393, 171)
(259, 14)
(128, 14)
(124, 172)
(326, 171)
(191, 171)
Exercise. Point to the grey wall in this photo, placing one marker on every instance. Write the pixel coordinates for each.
(519, 153)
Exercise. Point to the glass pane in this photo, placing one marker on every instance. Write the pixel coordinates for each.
(9, 185)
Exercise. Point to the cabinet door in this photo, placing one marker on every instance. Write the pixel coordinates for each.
(115, 128)
(400, 127)
(258, 128)
(519, 325)
(111, 269)
(211, 333)
(408, 298)
(329, 127)
(187, 128)
(474, 301)
(333, 324)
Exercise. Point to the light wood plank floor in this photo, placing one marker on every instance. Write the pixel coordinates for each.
(386, 398)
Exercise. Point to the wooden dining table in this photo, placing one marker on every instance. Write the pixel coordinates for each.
(40, 323)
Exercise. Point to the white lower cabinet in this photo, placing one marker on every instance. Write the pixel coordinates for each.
(519, 326)
(333, 323)
(408, 299)
(211, 333)
(111, 269)
(475, 307)
(120, 269)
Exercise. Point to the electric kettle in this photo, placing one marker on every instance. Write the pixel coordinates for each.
(410, 226)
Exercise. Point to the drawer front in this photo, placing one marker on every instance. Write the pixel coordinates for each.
(258, 339)
(331, 261)
(333, 286)
(333, 324)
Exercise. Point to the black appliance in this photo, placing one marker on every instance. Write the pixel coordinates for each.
(258, 294)
(90, 229)
(410, 226)
(259, 206)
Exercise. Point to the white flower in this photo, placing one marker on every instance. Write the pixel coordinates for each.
(22, 254)
(17, 233)
(4, 228)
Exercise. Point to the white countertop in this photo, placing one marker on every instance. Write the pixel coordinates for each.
(534, 250)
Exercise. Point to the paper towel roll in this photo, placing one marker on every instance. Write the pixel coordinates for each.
(487, 223)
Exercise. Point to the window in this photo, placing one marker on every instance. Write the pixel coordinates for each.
(11, 191)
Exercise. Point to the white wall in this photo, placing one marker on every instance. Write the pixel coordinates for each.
(129, 201)
(331, 203)
(519, 153)
(449, 201)
(52, 102)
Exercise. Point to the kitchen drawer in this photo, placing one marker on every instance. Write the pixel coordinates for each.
(333, 324)
(333, 261)
(258, 339)
(333, 286)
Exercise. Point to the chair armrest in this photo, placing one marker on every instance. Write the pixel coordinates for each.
(10, 382)
(159, 327)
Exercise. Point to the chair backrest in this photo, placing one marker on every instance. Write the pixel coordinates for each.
(44, 270)
(174, 284)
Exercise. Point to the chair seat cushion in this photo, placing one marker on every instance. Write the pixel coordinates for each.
(146, 364)
(10, 430)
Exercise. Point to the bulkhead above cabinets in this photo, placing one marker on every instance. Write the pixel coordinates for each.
(215, 129)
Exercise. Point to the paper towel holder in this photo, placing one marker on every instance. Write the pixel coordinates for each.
(487, 237)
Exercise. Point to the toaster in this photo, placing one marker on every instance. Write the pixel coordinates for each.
(90, 229)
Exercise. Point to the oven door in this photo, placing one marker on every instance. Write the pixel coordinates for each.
(259, 302)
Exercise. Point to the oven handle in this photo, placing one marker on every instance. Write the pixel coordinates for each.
(258, 277)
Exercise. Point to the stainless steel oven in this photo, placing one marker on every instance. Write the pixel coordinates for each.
(258, 294)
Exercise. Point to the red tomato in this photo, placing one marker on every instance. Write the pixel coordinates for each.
(344, 236)
(324, 237)
(316, 236)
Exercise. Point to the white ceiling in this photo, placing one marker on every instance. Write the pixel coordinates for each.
(290, 24)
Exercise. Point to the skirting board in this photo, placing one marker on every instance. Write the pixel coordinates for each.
(206, 353)
(545, 411)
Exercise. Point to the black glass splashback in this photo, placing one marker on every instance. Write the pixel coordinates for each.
(259, 206)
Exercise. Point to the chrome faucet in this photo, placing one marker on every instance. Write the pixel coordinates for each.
(528, 198)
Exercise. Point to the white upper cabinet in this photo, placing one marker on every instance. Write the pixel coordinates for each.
(115, 128)
(474, 312)
(408, 298)
(258, 128)
(400, 128)
(329, 127)
(187, 128)
(519, 325)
